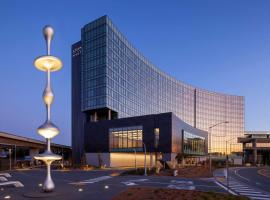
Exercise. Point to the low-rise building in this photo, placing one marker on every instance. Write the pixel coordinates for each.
(15, 150)
(256, 147)
(122, 142)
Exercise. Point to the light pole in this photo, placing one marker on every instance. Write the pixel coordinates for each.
(9, 152)
(135, 159)
(48, 130)
(210, 142)
(145, 170)
(227, 162)
(62, 158)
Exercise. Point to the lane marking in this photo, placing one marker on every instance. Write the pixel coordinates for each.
(237, 174)
(6, 175)
(239, 188)
(180, 187)
(93, 180)
(134, 181)
(260, 198)
(2, 178)
(14, 183)
(255, 195)
(182, 182)
(248, 191)
(129, 183)
(138, 180)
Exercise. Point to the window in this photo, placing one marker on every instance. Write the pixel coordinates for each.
(126, 139)
(193, 144)
(156, 131)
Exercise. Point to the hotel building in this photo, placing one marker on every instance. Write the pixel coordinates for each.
(116, 91)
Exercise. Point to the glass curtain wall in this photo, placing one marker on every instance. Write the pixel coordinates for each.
(193, 144)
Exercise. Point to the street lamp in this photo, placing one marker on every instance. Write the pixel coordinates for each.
(9, 152)
(210, 140)
(48, 130)
(227, 161)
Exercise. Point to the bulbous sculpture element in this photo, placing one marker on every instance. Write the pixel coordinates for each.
(48, 33)
(48, 95)
(48, 130)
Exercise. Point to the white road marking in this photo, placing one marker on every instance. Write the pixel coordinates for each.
(236, 173)
(138, 180)
(182, 182)
(225, 188)
(248, 192)
(5, 174)
(129, 183)
(93, 180)
(2, 178)
(181, 187)
(134, 181)
(244, 189)
(14, 183)
(175, 184)
(260, 198)
(255, 195)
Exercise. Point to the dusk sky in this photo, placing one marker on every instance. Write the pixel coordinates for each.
(223, 46)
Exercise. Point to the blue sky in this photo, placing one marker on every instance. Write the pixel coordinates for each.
(222, 46)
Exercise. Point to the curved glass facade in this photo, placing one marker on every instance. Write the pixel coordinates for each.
(117, 76)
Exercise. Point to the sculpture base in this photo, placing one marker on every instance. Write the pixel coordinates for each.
(41, 194)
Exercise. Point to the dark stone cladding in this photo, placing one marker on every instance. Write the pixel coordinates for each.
(78, 117)
(171, 128)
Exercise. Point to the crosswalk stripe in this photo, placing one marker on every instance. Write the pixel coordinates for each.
(260, 195)
(243, 189)
(248, 190)
(240, 188)
(260, 198)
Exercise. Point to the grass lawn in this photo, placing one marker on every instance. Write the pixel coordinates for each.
(148, 193)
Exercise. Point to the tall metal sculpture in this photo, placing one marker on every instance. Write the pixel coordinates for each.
(48, 130)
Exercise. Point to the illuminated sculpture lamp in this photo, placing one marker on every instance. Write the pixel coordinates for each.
(48, 130)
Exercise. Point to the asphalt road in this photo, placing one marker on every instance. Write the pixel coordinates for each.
(251, 177)
(96, 185)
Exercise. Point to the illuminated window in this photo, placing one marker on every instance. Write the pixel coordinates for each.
(126, 139)
(156, 131)
(263, 145)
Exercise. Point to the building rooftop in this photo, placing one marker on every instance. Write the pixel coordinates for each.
(30, 140)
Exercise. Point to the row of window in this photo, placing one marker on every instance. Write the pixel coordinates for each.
(126, 137)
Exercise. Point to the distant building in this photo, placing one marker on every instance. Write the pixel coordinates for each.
(23, 148)
(256, 147)
(112, 80)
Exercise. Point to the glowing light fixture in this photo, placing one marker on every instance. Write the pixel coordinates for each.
(7, 197)
(48, 130)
